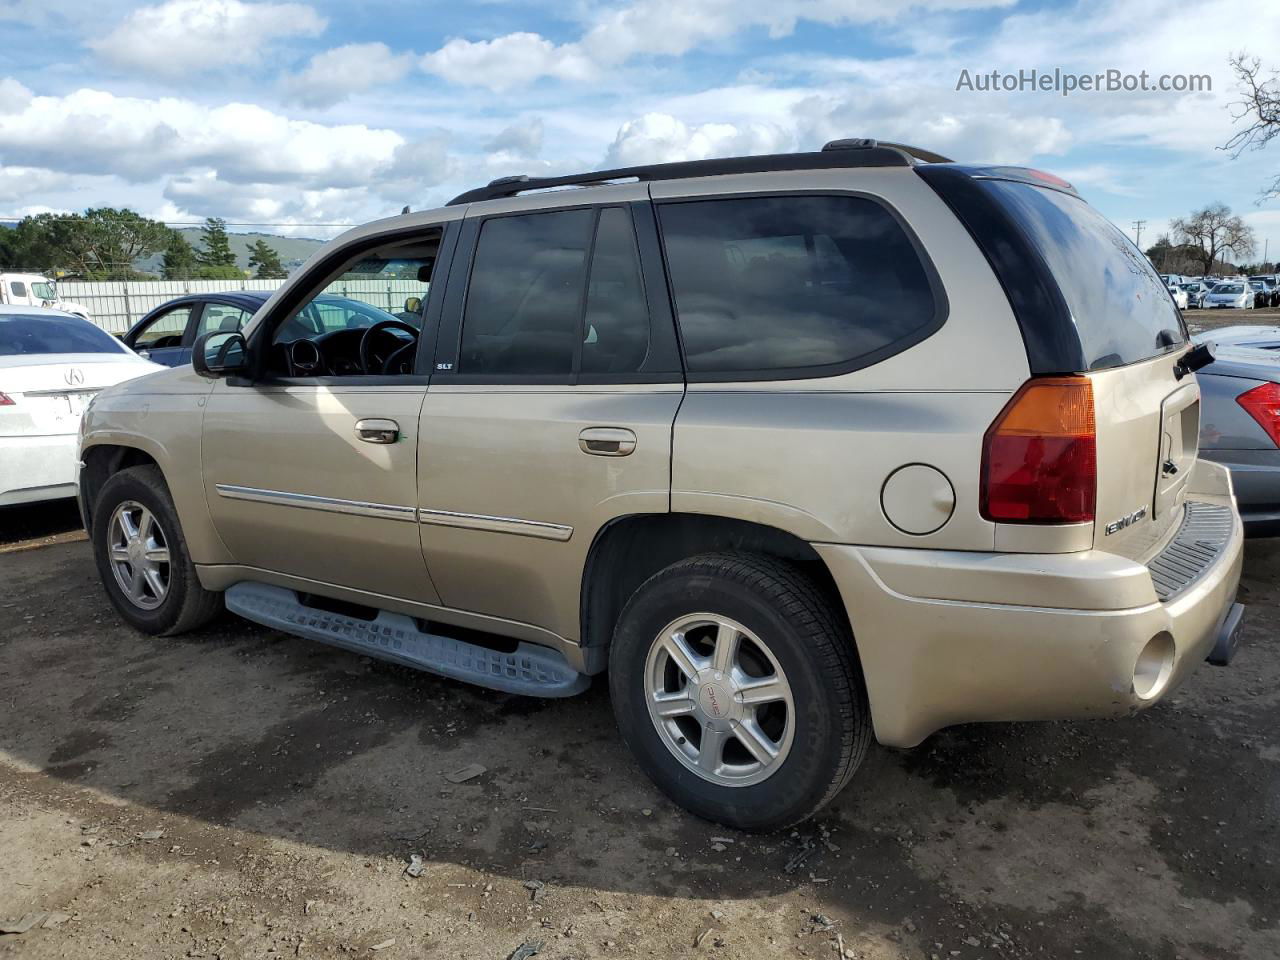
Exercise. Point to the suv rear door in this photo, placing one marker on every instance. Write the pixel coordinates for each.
(550, 409)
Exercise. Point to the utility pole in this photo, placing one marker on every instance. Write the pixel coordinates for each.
(1137, 227)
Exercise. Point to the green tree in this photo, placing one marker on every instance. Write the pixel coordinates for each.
(179, 258)
(266, 261)
(215, 247)
(101, 243)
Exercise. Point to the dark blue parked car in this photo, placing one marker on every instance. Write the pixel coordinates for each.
(167, 333)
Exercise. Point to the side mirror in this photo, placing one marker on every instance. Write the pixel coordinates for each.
(222, 353)
(413, 305)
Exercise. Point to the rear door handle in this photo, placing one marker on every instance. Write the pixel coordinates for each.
(377, 430)
(607, 441)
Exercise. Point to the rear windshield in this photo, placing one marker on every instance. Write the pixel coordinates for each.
(1121, 308)
(27, 335)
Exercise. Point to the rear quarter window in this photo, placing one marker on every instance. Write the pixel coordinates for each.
(1121, 309)
(794, 286)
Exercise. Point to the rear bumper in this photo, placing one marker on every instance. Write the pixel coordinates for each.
(37, 468)
(994, 642)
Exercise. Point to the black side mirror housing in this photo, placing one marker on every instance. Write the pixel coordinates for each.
(221, 353)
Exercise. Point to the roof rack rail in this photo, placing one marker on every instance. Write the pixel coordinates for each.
(918, 153)
(837, 153)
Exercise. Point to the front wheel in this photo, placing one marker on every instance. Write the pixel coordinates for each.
(142, 557)
(735, 683)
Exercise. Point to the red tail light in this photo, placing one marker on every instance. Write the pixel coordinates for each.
(5, 399)
(1040, 458)
(1263, 404)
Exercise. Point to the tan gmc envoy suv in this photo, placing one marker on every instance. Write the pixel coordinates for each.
(798, 449)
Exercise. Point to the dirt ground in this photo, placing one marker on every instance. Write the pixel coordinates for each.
(241, 793)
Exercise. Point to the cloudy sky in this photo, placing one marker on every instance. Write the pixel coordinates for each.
(316, 113)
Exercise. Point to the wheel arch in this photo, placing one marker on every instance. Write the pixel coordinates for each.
(102, 460)
(628, 550)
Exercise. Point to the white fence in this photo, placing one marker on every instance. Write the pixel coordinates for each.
(117, 305)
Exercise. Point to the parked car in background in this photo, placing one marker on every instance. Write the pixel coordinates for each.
(1240, 419)
(1179, 295)
(602, 452)
(36, 290)
(1230, 294)
(1196, 291)
(1270, 291)
(51, 365)
(166, 334)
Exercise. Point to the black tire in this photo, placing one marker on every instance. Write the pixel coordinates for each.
(778, 601)
(186, 604)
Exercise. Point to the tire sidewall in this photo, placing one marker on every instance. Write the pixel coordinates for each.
(132, 485)
(803, 779)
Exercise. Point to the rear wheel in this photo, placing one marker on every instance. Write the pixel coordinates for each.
(734, 682)
(142, 557)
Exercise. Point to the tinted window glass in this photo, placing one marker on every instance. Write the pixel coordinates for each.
(165, 331)
(26, 335)
(524, 303)
(783, 283)
(1119, 304)
(617, 318)
(19, 288)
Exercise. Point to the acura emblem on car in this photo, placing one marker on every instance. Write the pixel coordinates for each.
(74, 376)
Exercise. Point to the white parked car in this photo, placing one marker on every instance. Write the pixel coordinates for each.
(51, 365)
(36, 290)
(1179, 295)
(1234, 294)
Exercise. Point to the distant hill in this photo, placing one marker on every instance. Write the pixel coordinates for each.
(293, 250)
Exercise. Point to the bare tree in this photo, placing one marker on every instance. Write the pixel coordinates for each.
(1212, 232)
(1260, 108)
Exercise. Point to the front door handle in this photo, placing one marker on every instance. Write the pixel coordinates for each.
(378, 431)
(607, 441)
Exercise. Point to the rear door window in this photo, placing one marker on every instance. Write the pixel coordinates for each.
(1120, 307)
(524, 304)
(794, 285)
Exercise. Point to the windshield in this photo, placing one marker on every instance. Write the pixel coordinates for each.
(44, 290)
(29, 334)
(1228, 288)
(1121, 307)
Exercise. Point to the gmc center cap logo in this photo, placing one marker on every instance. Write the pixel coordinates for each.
(713, 701)
(74, 377)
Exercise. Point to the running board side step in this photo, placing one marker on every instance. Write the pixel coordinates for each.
(531, 671)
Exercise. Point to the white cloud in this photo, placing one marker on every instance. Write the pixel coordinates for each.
(182, 37)
(652, 27)
(91, 131)
(514, 60)
(332, 76)
(523, 139)
(661, 138)
(16, 183)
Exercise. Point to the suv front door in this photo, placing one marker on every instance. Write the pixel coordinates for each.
(556, 384)
(301, 481)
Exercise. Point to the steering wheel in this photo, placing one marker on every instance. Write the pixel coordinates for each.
(367, 356)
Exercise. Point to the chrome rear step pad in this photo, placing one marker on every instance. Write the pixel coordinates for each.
(531, 670)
